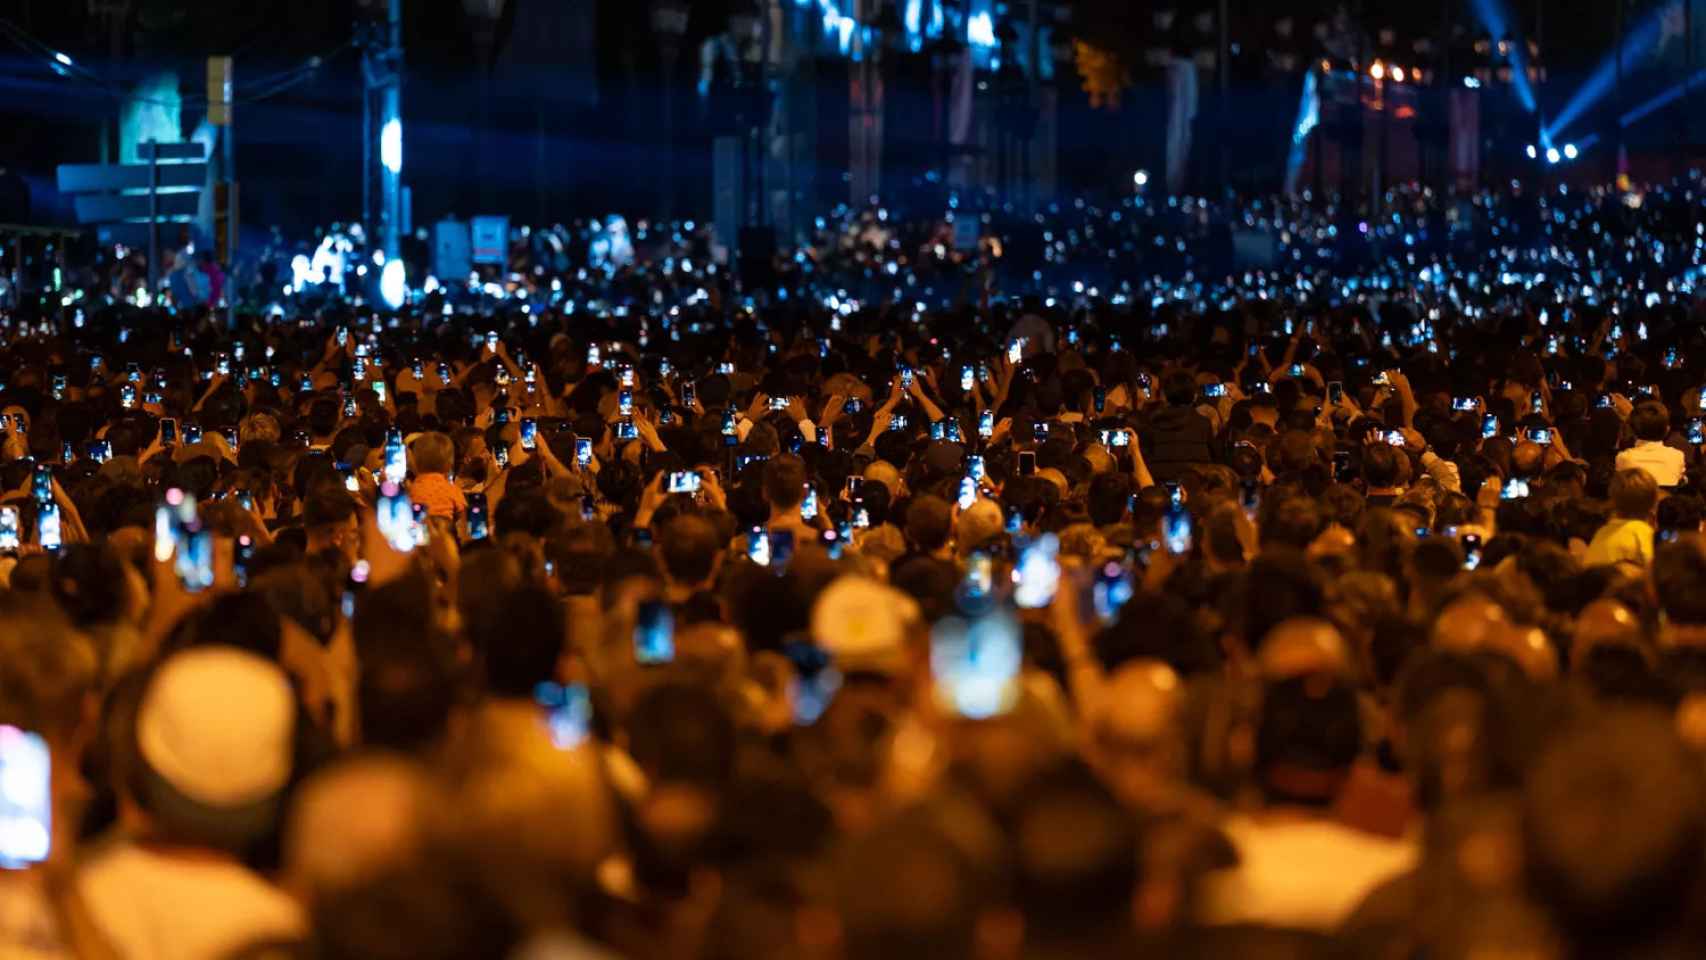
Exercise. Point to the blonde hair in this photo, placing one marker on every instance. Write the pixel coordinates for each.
(434, 453)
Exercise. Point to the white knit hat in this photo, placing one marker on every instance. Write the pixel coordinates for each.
(217, 725)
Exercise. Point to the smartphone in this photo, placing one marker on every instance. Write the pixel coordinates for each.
(975, 468)
(26, 798)
(968, 492)
(1110, 590)
(808, 504)
(127, 397)
(396, 457)
(1036, 572)
(1335, 393)
(689, 396)
(1471, 550)
(479, 521)
(1489, 426)
(47, 526)
(758, 546)
(1176, 530)
(1540, 435)
(1395, 437)
(583, 451)
(625, 403)
(1214, 391)
(396, 518)
(1536, 402)
(1515, 489)
(41, 484)
(906, 378)
(500, 453)
(67, 452)
(1341, 466)
(568, 713)
(683, 481)
(853, 485)
(625, 429)
(1016, 350)
(193, 559)
(1463, 404)
(529, 434)
(967, 377)
(1099, 397)
(986, 424)
(1297, 371)
(1696, 430)
(58, 386)
(976, 664)
(101, 451)
(11, 538)
(1027, 463)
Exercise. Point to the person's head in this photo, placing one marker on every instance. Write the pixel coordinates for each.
(353, 822)
(1634, 494)
(690, 550)
(1679, 580)
(433, 453)
(329, 519)
(1614, 816)
(784, 482)
(214, 735)
(1179, 388)
(929, 523)
(1380, 467)
(517, 636)
(323, 416)
(1076, 861)
(48, 675)
(1108, 498)
(1307, 738)
(1650, 421)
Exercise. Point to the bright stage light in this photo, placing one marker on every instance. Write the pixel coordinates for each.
(1570, 151)
(1141, 178)
(1378, 71)
(391, 145)
(1533, 152)
(392, 287)
(1397, 74)
(1552, 155)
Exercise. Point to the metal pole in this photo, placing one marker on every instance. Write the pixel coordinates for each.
(153, 218)
(391, 111)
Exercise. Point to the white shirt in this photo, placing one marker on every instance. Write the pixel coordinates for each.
(1300, 874)
(1664, 463)
(156, 906)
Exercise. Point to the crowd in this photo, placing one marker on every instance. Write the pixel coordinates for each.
(937, 605)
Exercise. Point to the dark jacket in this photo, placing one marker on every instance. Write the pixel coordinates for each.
(1176, 439)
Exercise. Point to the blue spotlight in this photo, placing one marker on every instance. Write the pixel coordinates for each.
(1495, 16)
(1636, 42)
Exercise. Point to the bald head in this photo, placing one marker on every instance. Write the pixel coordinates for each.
(353, 822)
(1468, 624)
(1603, 622)
(1303, 645)
(1526, 458)
(883, 472)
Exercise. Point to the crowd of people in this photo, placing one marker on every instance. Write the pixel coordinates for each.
(933, 602)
